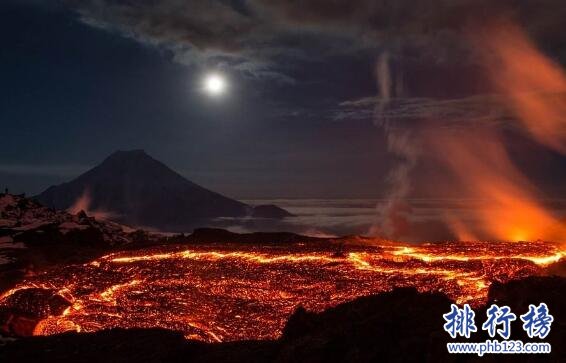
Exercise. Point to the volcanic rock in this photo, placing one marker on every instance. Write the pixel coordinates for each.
(21, 311)
(33, 236)
(216, 235)
(118, 345)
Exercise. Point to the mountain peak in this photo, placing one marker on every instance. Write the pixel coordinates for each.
(136, 163)
(139, 190)
(128, 154)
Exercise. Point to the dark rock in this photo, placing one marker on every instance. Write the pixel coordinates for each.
(118, 345)
(37, 302)
(218, 235)
(395, 326)
(213, 235)
(82, 215)
(51, 234)
(557, 269)
(22, 310)
(15, 324)
(51, 237)
(518, 294)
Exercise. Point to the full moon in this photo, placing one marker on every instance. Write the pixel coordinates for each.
(214, 84)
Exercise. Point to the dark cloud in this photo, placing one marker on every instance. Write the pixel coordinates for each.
(199, 32)
(203, 24)
(213, 33)
(425, 31)
(416, 17)
(261, 37)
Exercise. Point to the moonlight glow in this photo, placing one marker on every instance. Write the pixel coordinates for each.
(214, 84)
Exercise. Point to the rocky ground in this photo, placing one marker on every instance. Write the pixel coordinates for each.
(34, 237)
(399, 326)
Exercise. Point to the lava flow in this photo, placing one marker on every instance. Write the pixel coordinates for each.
(234, 292)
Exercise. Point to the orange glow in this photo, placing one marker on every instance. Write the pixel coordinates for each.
(511, 210)
(534, 85)
(534, 90)
(83, 203)
(214, 293)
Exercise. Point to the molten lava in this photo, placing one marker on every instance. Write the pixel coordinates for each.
(231, 292)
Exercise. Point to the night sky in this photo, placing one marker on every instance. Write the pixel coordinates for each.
(82, 79)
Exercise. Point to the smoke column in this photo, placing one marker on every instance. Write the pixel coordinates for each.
(394, 211)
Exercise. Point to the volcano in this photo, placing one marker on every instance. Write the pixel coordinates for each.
(133, 188)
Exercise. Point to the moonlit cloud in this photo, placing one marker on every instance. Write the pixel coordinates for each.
(271, 41)
(485, 109)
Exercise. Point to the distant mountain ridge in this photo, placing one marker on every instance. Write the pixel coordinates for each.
(131, 187)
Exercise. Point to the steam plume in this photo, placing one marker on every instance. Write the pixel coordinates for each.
(83, 203)
(534, 89)
(534, 85)
(394, 211)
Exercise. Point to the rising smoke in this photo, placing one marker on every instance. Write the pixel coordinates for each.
(84, 204)
(394, 212)
(533, 88)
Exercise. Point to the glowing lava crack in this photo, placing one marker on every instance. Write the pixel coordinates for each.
(235, 292)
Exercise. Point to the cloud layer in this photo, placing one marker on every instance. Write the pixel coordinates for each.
(263, 31)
